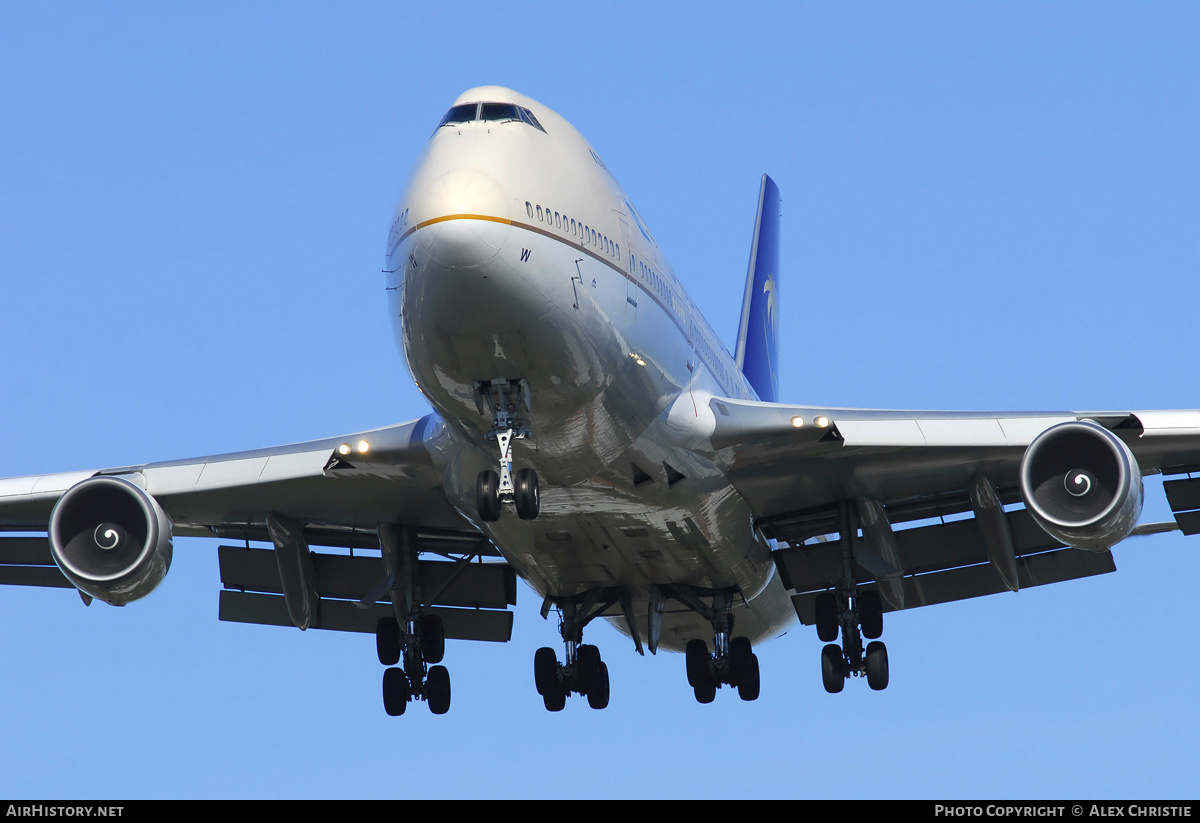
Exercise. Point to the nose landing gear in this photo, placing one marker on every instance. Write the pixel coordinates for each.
(502, 399)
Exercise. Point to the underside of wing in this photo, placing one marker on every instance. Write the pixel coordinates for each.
(352, 522)
(785, 458)
(929, 507)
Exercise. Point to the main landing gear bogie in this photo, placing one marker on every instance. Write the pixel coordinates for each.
(588, 676)
(582, 671)
(738, 668)
(855, 611)
(839, 663)
(423, 645)
(732, 662)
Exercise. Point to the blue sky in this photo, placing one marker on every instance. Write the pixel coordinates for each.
(985, 206)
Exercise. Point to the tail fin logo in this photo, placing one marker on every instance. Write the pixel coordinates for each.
(772, 316)
(771, 328)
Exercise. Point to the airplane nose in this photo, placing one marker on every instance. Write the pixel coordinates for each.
(468, 243)
(464, 286)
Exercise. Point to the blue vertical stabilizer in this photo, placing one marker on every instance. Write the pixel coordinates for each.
(758, 333)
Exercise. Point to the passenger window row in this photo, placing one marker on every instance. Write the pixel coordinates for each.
(568, 225)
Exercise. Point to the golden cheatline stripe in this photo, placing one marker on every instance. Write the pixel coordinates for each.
(679, 324)
(488, 217)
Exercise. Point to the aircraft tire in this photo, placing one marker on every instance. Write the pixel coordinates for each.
(587, 664)
(433, 638)
(696, 654)
(597, 694)
(748, 685)
(487, 496)
(833, 668)
(395, 692)
(739, 659)
(545, 671)
(555, 698)
(705, 692)
(877, 666)
(437, 689)
(827, 617)
(525, 490)
(387, 641)
(870, 612)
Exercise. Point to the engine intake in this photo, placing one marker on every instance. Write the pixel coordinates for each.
(1082, 485)
(111, 539)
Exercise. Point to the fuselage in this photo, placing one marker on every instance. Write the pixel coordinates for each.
(514, 253)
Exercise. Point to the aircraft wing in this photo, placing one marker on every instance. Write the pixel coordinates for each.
(332, 493)
(310, 481)
(793, 464)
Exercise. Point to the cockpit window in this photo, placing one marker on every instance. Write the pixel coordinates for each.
(493, 112)
(528, 117)
(499, 111)
(460, 114)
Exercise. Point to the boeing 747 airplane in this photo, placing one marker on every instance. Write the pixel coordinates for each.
(591, 435)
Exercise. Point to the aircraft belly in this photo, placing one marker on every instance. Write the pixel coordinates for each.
(610, 531)
(760, 619)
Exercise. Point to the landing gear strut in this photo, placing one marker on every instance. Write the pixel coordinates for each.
(502, 399)
(419, 643)
(850, 609)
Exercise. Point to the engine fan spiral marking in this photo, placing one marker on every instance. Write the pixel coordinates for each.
(107, 536)
(1078, 483)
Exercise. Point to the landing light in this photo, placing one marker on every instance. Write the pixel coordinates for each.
(822, 422)
(344, 448)
(797, 421)
(363, 446)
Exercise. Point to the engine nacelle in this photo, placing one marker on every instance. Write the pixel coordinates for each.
(1082, 484)
(111, 539)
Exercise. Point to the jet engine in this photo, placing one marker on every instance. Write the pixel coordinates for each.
(111, 539)
(1082, 484)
